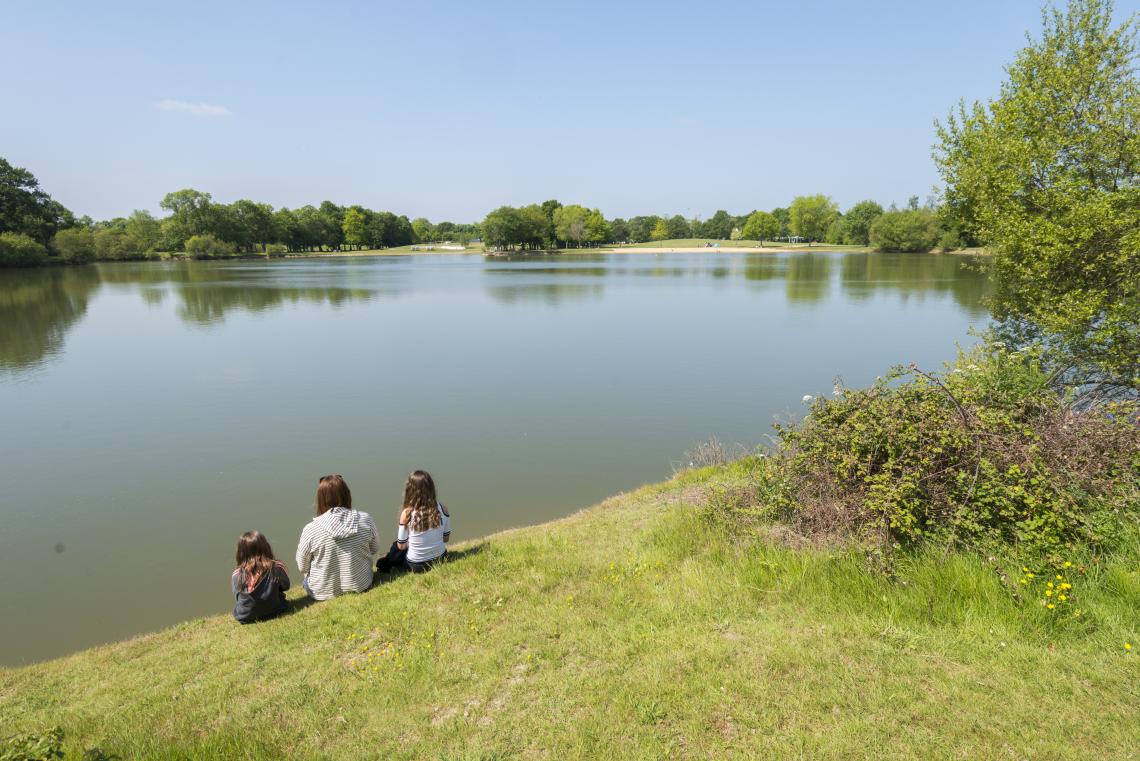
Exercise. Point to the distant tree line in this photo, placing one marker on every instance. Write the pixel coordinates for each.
(35, 229)
(812, 219)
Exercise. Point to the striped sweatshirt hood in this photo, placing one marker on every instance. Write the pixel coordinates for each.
(341, 522)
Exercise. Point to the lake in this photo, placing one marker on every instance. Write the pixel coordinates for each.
(152, 412)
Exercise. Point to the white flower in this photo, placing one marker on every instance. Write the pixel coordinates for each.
(807, 398)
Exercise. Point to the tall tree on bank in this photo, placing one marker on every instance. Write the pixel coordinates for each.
(1049, 175)
(26, 208)
(810, 216)
(189, 215)
(761, 226)
(570, 223)
(857, 222)
(355, 227)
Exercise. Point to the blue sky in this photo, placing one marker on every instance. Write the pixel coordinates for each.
(447, 110)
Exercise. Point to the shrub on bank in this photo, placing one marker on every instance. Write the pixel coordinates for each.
(19, 250)
(75, 245)
(911, 230)
(117, 244)
(986, 453)
(207, 246)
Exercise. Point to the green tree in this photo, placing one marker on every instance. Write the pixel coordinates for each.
(679, 227)
(549, 207)
(619, 231)
(810, 216)
(784, 218)
(641, 228)
(911, 230)
(501, 227)
(115, 243)
(1049, 175)
(570, 223)
(144, 229)
(857, 222)
(355, 227)
(535, 229)
(75, 245)
(422, 231)
(660, 230)
(26, 208)
(597, 229)
(331, 225)
(376, 229)
(761, 226)
(190, 212)
(834, 233)
(252, 224)
(719, 225)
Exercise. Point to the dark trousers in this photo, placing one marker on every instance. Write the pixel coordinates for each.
(397, 558)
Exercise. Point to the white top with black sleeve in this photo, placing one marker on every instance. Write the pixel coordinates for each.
(424, 546)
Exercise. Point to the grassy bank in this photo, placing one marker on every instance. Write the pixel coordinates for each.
(635, 629)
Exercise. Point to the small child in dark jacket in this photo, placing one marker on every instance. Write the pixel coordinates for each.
(259, 582)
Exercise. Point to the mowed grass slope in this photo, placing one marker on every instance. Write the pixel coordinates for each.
(633, 630)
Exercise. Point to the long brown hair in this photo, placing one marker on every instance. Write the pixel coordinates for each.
(332, 492)
(254, 557)
(420, 498)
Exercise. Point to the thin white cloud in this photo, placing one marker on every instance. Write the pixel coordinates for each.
(194, 109)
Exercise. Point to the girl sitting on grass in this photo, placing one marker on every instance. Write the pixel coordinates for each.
(424, 530)
(259, 582)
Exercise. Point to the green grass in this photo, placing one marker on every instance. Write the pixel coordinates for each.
(633, 630)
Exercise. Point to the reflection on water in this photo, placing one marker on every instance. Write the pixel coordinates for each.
(37, 308)
(153, 412)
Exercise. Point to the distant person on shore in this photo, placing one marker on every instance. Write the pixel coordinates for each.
(259, 581)
(424, 528)
(336, 548)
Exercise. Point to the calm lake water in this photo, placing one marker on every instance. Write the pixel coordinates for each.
(153, 412)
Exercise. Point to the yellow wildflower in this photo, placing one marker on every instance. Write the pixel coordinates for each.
(1127, 645)
(1058, 577)
(1049, 606)
(1024, 569)
(1048, 592)
(1050, 585)
(1068, 564)
(1029, 575)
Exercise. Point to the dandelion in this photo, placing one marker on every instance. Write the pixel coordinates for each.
(1127, 645)
(1049, 606)
(1029, 575)
(1048, 592)
(1024, 581)
(1050, 585)
(1059, 577)
(1068, 564)
(1062, 598)
(1024, 569)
